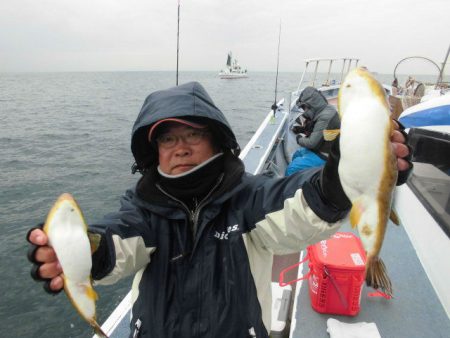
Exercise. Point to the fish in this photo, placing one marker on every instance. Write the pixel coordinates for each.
(367, 166)
(67, 235)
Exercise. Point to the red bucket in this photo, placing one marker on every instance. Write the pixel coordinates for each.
(336, 274)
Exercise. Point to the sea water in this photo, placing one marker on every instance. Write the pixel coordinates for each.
(70, 132)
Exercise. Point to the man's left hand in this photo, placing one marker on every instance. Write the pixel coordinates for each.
(402, 151)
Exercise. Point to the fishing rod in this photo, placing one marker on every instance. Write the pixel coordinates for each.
(178, 39)
(274, 106)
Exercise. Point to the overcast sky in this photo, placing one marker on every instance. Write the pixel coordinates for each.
(109, 35)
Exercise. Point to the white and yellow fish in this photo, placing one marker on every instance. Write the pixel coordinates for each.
(67, 234)
(367, 166)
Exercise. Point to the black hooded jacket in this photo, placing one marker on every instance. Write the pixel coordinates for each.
(214, 282)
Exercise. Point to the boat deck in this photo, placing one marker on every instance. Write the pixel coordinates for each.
(414, 312)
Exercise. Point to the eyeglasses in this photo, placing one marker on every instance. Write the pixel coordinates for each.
(192, 137)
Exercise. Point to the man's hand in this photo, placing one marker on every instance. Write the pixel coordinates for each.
(297, 129)
(402, 151)
(45, 263)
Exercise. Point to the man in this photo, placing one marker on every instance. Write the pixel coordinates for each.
(197, 231)
(318, 116)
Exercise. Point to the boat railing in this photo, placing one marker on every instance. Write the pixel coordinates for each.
(415, 91)
(329, 85)
(346, 64)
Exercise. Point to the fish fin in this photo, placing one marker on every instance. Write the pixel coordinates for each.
(66, 282)
(394, 217)
(94, 240)
(90, 292)
(355, 214)
(376, 275)
(330, 134)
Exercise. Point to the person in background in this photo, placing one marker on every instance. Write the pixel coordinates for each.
(197, 231)
(395, 87)
(318, 115)
(410, 86)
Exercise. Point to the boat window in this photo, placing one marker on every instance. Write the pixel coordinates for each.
(430, 180)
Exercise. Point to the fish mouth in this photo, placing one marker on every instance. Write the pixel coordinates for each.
(66, 197)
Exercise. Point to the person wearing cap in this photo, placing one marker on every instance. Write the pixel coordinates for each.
(318, 115)
(199, 233)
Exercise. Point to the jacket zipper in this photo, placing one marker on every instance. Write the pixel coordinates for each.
(137, 328)
(197, 210)
(193, 215)
(172, 197)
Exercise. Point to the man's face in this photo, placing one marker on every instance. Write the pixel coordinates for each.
(192, 147)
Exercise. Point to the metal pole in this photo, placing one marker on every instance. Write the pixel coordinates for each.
(274, 106)
(315, 73)
(303, 76)
(178, 39)
(441, 73)
(342, 70)
(349, 64)
(327, 82)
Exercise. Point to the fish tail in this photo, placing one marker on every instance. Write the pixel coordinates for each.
(376, 275)
(98, 330)
(90, 292)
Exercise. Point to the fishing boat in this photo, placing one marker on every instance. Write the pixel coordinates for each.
(416, 253)
(233, 69)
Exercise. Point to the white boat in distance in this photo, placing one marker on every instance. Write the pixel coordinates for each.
(233, 69)
(415, 253)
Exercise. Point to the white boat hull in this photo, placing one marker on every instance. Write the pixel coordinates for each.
(233, 76)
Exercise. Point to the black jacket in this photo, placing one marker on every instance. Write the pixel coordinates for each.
(216, 282)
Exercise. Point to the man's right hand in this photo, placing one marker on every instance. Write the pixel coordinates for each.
(45, 263)
(297, 129)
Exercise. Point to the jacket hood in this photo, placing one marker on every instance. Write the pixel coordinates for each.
(314, 99)
(189, 100)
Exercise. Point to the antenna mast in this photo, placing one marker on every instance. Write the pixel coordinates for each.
(274, 106)
(178, 39)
